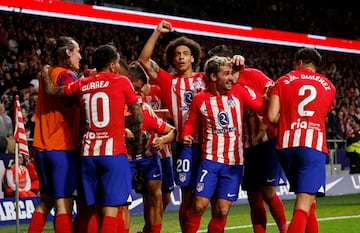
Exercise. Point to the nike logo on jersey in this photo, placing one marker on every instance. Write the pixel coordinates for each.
(270, 180)
(156, 175)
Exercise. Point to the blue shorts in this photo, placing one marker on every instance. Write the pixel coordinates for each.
(145, 169)
(305, 169)
(262, 167)
(106, 180)
(167, 175)
(57, 171)
(220, 179)
(149, 167)
(187, 163)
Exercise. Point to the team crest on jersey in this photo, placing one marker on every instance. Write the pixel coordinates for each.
(155, 104)
(231, 103)
(196, 85)
(188, 97)
(223, 118)
(200, 187)
(182, 177)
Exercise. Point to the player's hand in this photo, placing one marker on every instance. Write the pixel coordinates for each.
(238, 62)
(267, 93)
(187, 140)
(164, 27)
(158, 143)
(45, 71)
(129, 134)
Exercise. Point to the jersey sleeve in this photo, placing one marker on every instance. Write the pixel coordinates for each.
(66, 77)
(154, 123)
(72, 88)
(251, 100)
(256, 79)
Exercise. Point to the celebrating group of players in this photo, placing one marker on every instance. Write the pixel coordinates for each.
(229, 125)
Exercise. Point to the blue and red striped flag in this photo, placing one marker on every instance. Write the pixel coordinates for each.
(20, 134)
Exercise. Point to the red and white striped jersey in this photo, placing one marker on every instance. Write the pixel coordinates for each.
(154, 100)
(305, 99)
(102, 99)
(178, 93)
(221, 118)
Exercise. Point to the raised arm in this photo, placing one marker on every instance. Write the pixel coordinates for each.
(150, 66)
(49, 86)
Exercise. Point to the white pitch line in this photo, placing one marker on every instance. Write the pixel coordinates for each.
(272, 224)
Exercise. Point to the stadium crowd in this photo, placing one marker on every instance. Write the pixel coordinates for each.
(22, 40)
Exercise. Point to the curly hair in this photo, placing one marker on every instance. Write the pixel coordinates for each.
(183, 40)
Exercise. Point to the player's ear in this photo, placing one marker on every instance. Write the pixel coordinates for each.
(213, 77)
(68, 52)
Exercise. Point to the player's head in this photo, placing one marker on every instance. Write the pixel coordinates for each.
(218, 70)
(63, 51)
(308, 57)
(106, 57)
(219, 50)
(183, 53)
(137, 75)
(222, 51)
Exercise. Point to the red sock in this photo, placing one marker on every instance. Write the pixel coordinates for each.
(298, 221)
(257, 212)
(93, 224)
(216, 224)
(182, 216)
(312, 225)
(37, 222)
(109, 225)
(121, 222)
(278, 212)
(156, 228)
(63, 223)
(193, 222)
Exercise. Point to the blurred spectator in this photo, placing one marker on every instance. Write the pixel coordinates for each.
(35, 185)
(6, 130)
(24, 180)
(353, 146)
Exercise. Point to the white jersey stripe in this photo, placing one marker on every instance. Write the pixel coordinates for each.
(109, 146)
(97, 147)
(319, 141)
(86, 147)
(297, 137)
(285, 142)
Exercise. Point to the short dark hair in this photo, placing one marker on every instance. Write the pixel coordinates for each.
(104, 55)
(219, 50)
(308, 55)
(137, 72)
(183, 40)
